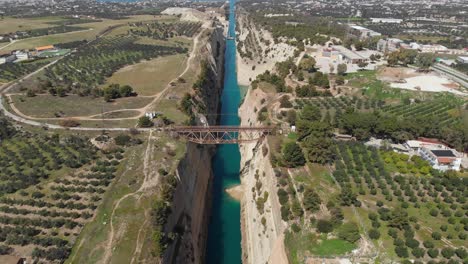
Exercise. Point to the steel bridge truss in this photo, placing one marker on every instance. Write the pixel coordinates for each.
(221, 134)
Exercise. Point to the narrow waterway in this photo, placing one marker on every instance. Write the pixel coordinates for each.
(224, 230)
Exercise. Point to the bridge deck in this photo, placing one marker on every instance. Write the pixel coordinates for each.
(221, 134)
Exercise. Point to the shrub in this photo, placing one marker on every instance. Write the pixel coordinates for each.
(324, 226)
(374, 233)
(461, 253)
(393, 233)
(401, 251)
(311, 200)
(122, 139)
(434, 212)
(295, 228)
(428, 244)
(285, 212)
(69, 123)
(447, 252)
(433, 252)
(436, 236)
(418, 252)
(412, 243)
(349, 232)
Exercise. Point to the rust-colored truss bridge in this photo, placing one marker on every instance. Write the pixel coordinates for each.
(221, 134)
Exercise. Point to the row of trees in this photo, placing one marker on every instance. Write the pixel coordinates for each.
(408, 56)
(364, 125)
(83, 71)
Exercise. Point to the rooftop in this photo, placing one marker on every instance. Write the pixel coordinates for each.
(45, 47)
(443, 153)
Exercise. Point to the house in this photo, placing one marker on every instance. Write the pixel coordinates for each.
(329, 52)
(441, 159)
(21, 55)
(389, 45)
(432, 48)
(386, 20)
(349, 56)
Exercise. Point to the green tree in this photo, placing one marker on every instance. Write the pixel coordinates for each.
(145, 121)
(125, 91)
(311, 113)
(436, 235)
(461, 253)
(291, 117)
(374, 234)
(292, 155)
(392, 58)
(307, 64)
(324, 226)
(424, 60)
(447, 252)
(342, 69)
(347, 196)
(311, 200)
(399, 218)
(418, 252)
(433, 252)
(401, 251)
(284, 102)
(319, 149)
(122, 139)
(359, 45)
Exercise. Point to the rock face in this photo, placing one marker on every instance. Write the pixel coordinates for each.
(261, 229)
(191, 204)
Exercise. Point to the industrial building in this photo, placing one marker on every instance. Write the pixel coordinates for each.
(362, 32)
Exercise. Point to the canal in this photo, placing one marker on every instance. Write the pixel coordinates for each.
(224, 230)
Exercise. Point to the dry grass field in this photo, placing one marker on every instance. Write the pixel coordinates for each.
(150, 77)
(46, 106)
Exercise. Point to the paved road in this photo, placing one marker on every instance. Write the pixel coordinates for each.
(451, 73)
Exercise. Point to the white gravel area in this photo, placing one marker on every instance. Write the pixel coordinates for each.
(428, 83)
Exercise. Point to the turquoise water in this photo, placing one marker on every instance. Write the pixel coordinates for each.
(224, 230)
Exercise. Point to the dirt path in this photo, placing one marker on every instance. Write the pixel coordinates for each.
(144, 185)
(139, 242)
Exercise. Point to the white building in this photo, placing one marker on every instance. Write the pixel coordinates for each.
(362, 32)
(462, 59)
(21, 56)
(441, 159)
(386, 20)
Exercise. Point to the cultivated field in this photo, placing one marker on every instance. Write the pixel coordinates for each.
(91, 31)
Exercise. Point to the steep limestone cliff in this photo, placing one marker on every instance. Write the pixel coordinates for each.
(262, 227)
(191, 204)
